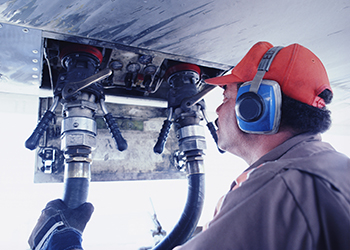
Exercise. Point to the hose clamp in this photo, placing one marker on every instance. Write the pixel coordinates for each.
(191, 130)
(77, 170)
(195, 167)
(191, 137)
(79, 123)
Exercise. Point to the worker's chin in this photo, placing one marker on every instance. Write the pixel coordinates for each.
(223, 144)
(220, 144)
(218, 136)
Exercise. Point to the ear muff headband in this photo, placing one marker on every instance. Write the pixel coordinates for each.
(263, 67)
(253, 106)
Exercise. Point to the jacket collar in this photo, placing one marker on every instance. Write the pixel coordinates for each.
(283, 148)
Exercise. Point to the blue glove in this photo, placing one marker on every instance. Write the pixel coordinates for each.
(60, 227)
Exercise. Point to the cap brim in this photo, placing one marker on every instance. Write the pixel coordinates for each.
(223, 80)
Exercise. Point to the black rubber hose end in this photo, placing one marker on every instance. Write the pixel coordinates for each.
(163, 135)
(33, 141)
(117, 135)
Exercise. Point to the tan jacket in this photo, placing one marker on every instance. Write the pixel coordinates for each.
(298, 198)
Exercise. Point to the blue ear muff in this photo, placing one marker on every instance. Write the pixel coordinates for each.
(259, 113)
(258, 102)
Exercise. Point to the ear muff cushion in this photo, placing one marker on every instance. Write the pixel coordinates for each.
(249, 107)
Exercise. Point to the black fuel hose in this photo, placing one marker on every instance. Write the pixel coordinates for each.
(189, 217)
(75, 191)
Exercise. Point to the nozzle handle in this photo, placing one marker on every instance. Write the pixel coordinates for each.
(33, 141)
(163, 135)
(114, 129)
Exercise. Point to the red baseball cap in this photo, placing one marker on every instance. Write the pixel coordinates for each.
(299, 72)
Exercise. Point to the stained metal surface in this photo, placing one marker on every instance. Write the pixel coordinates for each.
(21, 55)
(217, 31)
(139, 125)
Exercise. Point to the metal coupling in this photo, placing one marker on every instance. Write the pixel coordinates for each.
(77, 170)
(195, 167)
(77, 139)
(83, 108)
(191, 137)
(79, 123)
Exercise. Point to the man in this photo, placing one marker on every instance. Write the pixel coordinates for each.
(296, 192)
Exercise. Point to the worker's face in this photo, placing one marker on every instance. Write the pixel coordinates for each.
(230, 136)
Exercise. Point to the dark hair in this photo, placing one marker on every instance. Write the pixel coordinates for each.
(305, 118)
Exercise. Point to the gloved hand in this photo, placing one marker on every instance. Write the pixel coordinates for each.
(56, 217)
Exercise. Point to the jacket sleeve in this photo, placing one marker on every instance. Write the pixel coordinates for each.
(259, 215)
(66, 239)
